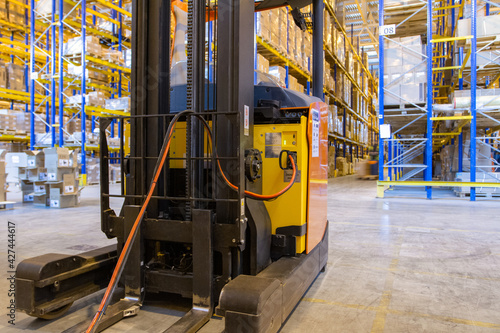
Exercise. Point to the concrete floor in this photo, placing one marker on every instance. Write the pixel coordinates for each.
(395, 265)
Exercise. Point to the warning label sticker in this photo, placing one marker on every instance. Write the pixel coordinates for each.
(315, 133)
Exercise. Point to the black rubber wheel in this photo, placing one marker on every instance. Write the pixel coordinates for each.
(56, 313)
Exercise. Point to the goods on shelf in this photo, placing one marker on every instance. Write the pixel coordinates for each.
(486, 26)
(74, 46)
(277, 28)
(15, 77)
(262, 63)
(331, 162)
(279, 73)
(481, 177)
(3, 75)
(16, 13)
(44, 8)
(122, 103)
(405, 76)
(3, 178)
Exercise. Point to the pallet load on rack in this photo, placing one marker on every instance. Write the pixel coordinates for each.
(3, 178)
(290, 41)
(405, 73)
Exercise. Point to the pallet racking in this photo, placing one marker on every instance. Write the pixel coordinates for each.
(76, 76)
(421, 130)
(364, 85)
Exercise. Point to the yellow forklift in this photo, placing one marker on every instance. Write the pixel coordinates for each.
(225, 185)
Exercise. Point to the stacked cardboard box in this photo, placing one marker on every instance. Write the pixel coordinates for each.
(16, 13)
(331, 162)
(74, 46)
(342, 166)
(62, 178)
(3, 75)
(3, 178)
(262, 63)
(15, 77)
(93, 172)
(15, 161)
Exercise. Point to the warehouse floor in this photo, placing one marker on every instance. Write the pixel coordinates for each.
(395, 265)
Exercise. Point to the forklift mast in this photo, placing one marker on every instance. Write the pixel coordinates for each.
(210, 231)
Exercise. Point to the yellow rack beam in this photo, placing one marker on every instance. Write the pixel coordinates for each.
(98, 110)
(14, 138)
(450, 39)
(108, 64)
(445, 68)
(450, 118)
(437, 183)
(115, 7)
(4, 24)
(445, 134)
(446, 7)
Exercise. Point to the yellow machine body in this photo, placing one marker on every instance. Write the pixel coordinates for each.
(290, 209)
(178, 145)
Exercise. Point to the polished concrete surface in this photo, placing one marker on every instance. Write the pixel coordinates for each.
(395, 265)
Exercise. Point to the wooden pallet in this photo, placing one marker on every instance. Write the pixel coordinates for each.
(368, 177)
(7, 205)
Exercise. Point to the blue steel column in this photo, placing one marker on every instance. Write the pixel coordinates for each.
(61, 73)
(380, 90)
(52, 78)
(473, 85)
(83, 92)
(32, 70)
(428, 144)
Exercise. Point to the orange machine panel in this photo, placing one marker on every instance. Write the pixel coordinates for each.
(317, 193)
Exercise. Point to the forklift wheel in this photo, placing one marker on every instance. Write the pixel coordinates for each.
(56, 313)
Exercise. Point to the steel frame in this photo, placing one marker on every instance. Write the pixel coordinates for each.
(440, 46)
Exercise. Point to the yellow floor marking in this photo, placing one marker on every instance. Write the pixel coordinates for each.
(379, 321)
(414, 227)
(446, 318)
(392, 269)
(344, 305)
(386, 300)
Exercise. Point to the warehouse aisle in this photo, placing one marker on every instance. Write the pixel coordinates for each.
(395, 265)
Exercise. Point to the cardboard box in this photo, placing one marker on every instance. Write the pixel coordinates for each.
(58, 200)
(56, 158)
(28, 196)
(37, 174)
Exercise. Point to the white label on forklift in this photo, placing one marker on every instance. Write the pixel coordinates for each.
(315, 133)
(247, 121)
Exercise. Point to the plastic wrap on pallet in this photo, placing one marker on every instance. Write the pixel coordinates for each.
(44, 8)
(279, 73)
(74, 46)
(15, 77)
(122, 103)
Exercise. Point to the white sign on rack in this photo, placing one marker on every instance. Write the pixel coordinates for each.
(385, 131)
(389, 29)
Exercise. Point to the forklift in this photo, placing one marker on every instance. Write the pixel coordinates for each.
(224, 181)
